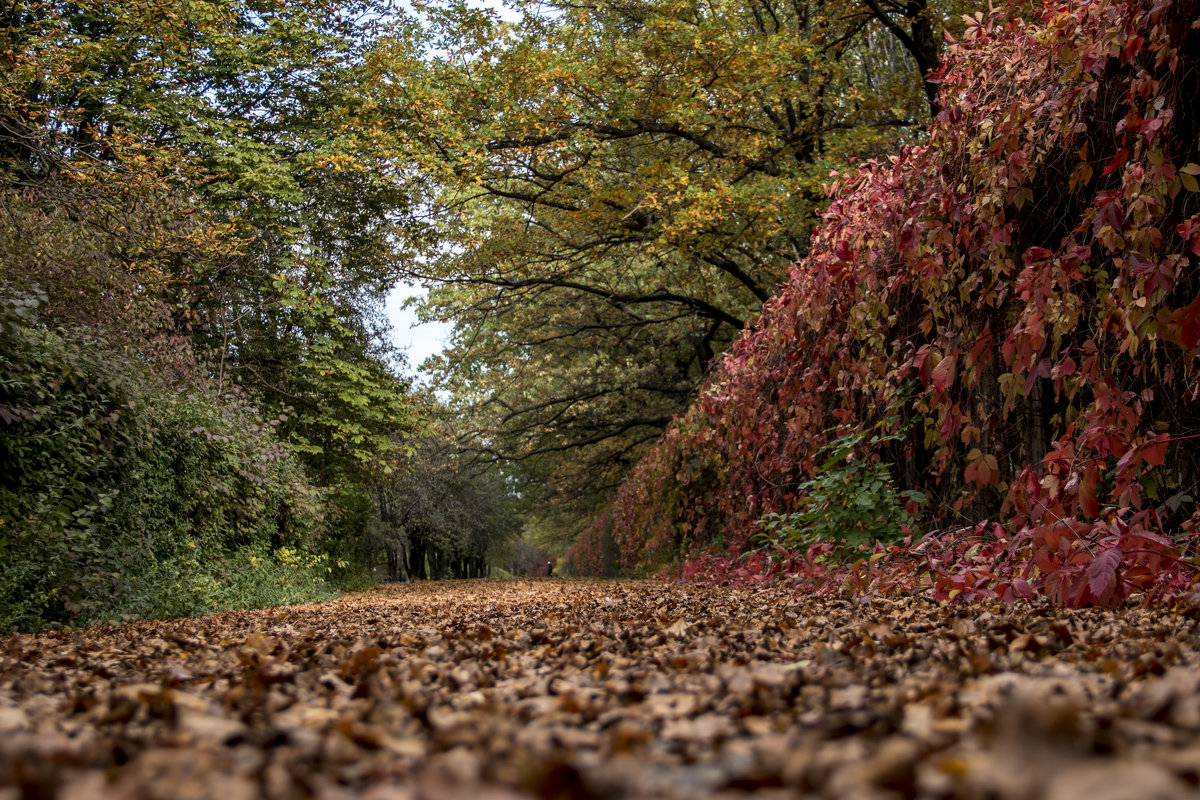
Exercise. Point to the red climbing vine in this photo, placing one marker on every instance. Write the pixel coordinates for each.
(1007, 317)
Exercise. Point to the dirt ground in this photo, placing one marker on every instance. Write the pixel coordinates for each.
(608, 689)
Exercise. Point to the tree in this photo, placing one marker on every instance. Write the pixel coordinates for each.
(270, 240)
(178, 190)
(442, 516)
(619, 188)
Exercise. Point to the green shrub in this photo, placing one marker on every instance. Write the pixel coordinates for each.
(70, 431)
(251, 577)
(124, 498)
(851, 501)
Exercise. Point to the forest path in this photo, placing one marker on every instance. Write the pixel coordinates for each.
(607, 689)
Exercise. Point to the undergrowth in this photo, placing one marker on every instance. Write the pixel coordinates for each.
(123, 499)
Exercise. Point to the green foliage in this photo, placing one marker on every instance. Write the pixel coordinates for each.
(269, 233)
(123, 498)
(69, 432)
(852, 500)
(443, 516)
(202, 388)
(348, 411)
(249, 577)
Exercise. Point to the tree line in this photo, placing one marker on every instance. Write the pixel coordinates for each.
(205, 205)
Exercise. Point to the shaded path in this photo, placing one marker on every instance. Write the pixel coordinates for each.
(563, 689)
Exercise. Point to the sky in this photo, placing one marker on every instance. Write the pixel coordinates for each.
(422, 340)
(418, 340)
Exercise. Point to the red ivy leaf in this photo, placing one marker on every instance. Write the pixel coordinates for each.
(843, 251)
(920, 360)
(1155, 452)
(1190, 231)
(1102, 574)
(1188, 320)
(1064, 368)
(943, 374)
(1131, 48)
(1087, 494)
(1117, 162)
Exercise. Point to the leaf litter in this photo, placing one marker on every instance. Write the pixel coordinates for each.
(608, 689)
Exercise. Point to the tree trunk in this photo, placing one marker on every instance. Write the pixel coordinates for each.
(416, 562)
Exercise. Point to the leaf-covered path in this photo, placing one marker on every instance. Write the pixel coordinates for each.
(577, 689)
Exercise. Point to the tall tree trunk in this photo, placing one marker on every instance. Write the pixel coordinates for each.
(416, 562)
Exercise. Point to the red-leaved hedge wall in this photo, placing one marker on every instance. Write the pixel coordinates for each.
(1020, 293)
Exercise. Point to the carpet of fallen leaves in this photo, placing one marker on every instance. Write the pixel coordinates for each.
(617, 689)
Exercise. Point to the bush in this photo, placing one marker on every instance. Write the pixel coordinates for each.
(121, 498)
(250, 577)
(851, 502)
(594, 551)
